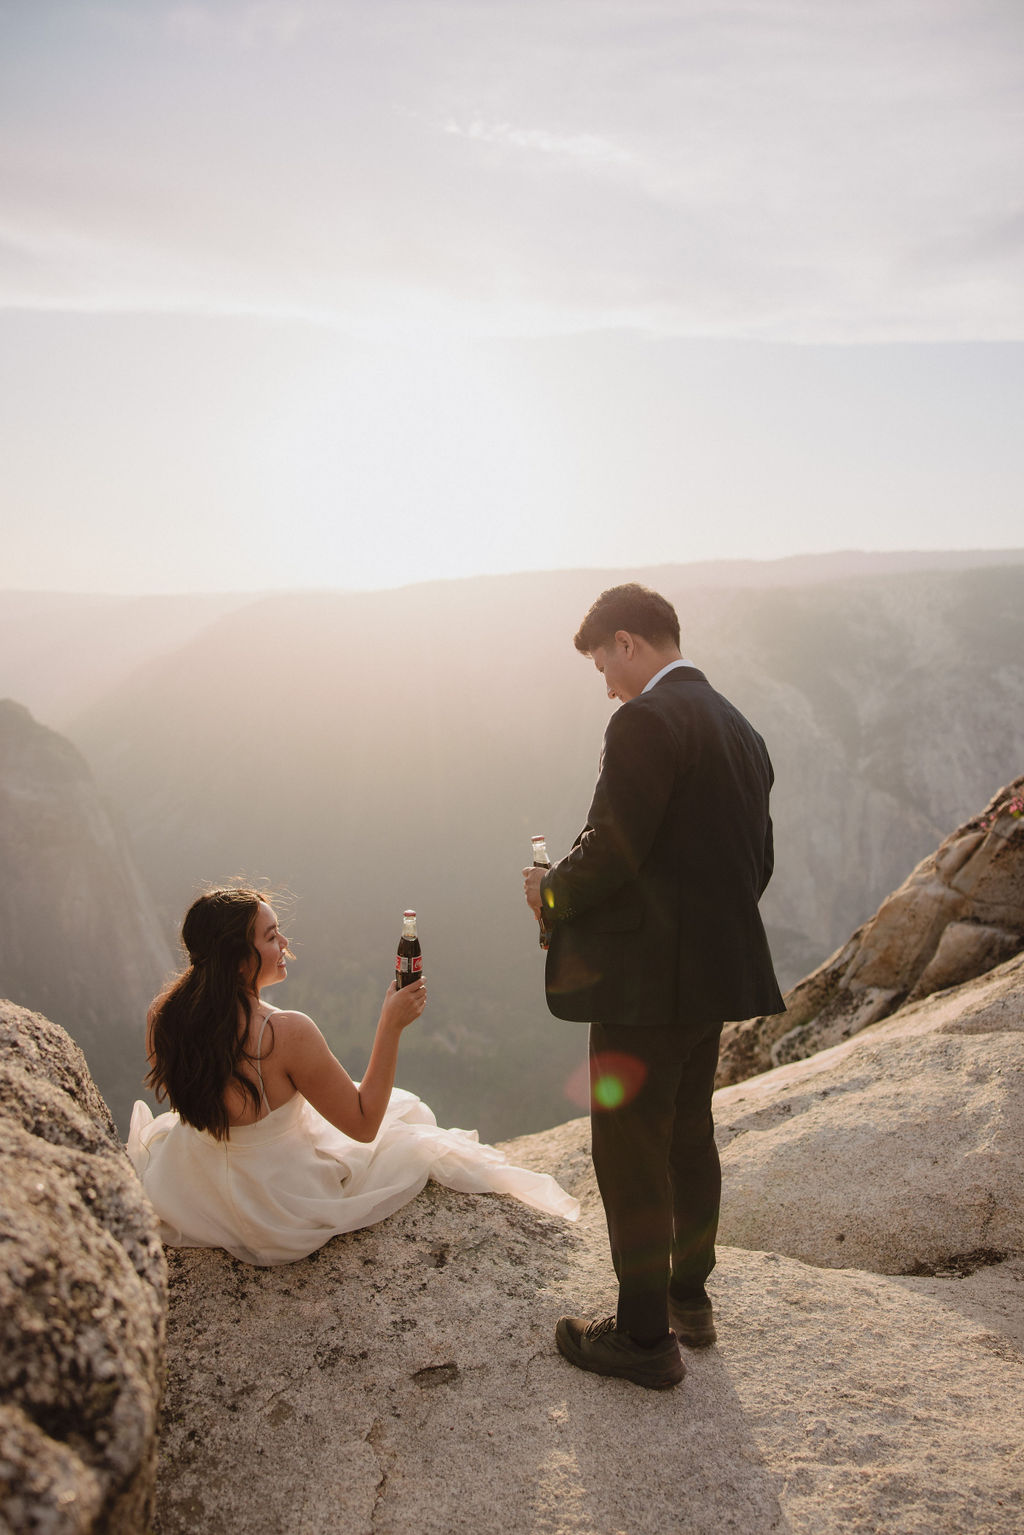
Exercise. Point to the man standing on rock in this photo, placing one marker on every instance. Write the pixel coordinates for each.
(656, 941)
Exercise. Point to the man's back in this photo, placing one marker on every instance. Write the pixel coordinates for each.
(662, 886)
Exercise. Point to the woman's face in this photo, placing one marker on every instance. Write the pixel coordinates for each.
(271, 946)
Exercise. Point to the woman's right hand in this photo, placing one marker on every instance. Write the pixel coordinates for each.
(403, 1006)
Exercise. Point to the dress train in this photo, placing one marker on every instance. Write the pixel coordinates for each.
(277, 1190)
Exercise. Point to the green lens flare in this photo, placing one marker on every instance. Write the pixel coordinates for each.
(609, 1091)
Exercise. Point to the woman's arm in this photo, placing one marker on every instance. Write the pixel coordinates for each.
(321, 1078)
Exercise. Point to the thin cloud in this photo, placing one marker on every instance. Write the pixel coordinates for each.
(591, 148)
(812, 171)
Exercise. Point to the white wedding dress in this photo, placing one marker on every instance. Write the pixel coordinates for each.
(276, 1190)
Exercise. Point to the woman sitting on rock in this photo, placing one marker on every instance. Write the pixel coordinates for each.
(270, 1148)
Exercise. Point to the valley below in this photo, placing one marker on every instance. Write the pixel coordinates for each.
(360, 753)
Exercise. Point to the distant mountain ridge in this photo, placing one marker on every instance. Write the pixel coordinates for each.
(61, 652)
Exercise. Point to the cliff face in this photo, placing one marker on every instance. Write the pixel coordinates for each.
(892, 709)
(82, 1298)
(79, 940)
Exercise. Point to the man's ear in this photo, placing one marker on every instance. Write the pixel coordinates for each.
(625, 639)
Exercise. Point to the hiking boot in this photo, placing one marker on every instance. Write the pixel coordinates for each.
(599, 1346)
(693, 1322)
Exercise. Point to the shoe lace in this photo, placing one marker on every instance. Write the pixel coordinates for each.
(598, 1329)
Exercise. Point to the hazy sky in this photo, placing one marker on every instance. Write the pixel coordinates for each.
(355, 292)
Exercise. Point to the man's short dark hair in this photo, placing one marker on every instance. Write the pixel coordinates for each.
(634, 608)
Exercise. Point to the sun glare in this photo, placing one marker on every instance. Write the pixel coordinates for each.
(416, 460)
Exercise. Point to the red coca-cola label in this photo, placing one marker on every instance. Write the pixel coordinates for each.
(405, 964)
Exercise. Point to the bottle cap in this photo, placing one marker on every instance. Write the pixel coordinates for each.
(408, 914)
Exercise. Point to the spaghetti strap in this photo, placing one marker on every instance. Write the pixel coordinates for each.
(256, 1062)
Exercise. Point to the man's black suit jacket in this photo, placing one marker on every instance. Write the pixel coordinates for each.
(654, 912)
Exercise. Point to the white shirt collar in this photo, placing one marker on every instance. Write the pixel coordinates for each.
(664, 673)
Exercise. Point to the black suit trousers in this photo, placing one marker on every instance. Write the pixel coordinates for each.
(656, 1163)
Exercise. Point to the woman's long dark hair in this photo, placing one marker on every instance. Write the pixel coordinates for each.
(197, 1044)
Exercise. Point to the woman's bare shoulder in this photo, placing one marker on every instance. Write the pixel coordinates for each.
(287, 1017)
(298, 1043)
(290, 1026)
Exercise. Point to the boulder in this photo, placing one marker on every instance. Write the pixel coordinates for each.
(82, 1298)
(958, 914)
(901, 1150)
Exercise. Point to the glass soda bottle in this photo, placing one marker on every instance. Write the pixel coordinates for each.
(409, 959)
(541, 861)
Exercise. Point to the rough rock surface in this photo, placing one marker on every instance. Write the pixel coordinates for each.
(959, 914)
(82, 1297)
(382, 1390)
(405, 1377)
(901, 1150)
